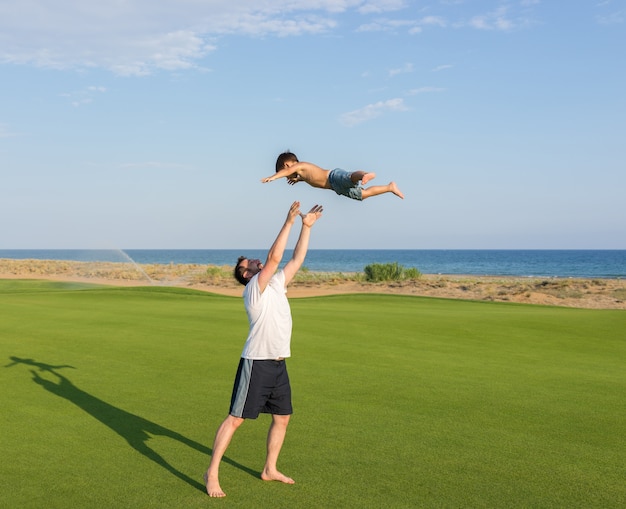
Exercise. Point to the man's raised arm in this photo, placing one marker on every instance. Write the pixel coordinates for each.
(302, 246)
(276, 252)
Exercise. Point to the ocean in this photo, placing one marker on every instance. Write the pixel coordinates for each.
(496, 262)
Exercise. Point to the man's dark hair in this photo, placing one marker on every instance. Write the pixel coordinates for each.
(283, 158)
(238, 272)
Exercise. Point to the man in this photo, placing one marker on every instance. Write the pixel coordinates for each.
(262, 383)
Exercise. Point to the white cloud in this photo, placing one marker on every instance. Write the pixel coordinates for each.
(138, 37)
(372, 111)
(82, 97)
(413, 26)
(616, 17)
(382, 6)
(425, 90)
(613, 18)
(442, 67)
(260, 26)
(433, 21)
(406, 68)
(499, 20)
(376, 26)
(133, 53)
(507, 17)
(386, 25)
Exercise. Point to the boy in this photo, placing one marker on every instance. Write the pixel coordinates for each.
(340, 181)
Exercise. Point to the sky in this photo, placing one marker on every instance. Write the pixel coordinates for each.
(149, 124)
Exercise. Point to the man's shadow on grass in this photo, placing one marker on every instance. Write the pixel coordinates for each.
(134, 429)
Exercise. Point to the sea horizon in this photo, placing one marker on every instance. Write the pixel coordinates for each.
(572, 263)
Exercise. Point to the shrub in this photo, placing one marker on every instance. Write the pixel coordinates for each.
(412, 273)
(215, 272)
(378, 272)
(214, 275)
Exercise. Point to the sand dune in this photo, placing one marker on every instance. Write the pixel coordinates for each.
(580, 293)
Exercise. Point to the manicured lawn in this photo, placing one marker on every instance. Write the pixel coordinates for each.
(111, 397)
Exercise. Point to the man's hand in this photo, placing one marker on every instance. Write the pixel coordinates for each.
(313, 215)
(294, 211)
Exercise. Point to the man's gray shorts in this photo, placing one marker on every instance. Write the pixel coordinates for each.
(261, 386)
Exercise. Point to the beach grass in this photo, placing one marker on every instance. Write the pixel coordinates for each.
(111, 397)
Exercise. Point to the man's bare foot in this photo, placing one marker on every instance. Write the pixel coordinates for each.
(367, 177)
(213, 488)
(276, 476)
(394, 189)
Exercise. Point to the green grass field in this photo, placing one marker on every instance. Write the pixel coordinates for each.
(111, 397)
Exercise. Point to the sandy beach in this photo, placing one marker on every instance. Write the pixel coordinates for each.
(578, 293)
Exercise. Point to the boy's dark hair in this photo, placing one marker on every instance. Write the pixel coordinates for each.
(238, 273)
(283, 158)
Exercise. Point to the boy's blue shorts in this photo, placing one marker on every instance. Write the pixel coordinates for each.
(342, 184)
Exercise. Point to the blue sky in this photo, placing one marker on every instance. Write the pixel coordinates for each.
(150, 123)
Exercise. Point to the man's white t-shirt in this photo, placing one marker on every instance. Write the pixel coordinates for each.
(269, 315)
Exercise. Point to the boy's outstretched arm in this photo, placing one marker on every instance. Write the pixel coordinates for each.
(285, 172)
(302, 172)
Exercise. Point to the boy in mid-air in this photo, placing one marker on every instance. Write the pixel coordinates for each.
(340, 181)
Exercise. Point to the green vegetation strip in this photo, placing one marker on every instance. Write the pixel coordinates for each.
(111, 396)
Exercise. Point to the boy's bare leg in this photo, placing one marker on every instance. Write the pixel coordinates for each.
(222, 438)
(362, 176)
(376, 190)
(275, 439)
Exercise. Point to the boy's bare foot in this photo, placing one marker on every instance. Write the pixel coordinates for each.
(213, 488)
(394, 189)
(367, 177)
(276, 476)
